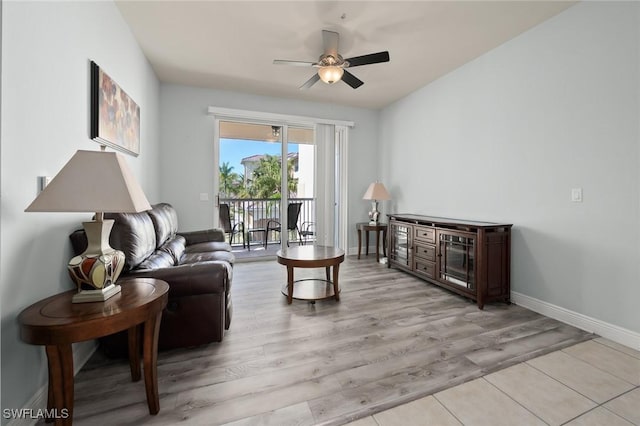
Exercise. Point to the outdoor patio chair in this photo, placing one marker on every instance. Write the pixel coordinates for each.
(231, 229)
(308, 231)
(293, 212)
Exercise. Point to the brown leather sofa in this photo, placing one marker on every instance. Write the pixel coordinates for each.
(198, 266)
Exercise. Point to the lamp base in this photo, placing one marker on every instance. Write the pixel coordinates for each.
(96, 270)
(374, 214)
(85, 296)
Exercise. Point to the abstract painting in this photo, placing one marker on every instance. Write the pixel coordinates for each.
(115, 117)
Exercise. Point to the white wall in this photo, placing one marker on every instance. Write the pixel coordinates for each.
(46, 49)
(187, 147)
(505, 138)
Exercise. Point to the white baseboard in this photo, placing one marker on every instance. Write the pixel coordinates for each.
(81, 355)
(609, 331)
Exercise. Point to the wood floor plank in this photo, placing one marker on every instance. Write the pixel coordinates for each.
(404, 386)
(294, 415)
(391, 339)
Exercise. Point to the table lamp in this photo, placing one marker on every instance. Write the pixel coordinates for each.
(375, 193)
(94, 181)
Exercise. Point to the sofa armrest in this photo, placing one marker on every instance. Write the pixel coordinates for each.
(204, 236)
(212, 277)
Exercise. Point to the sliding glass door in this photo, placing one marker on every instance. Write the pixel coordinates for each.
(266, 185)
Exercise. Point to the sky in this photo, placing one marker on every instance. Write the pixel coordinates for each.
(232, 151)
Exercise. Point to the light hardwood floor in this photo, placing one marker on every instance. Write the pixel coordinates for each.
(391, 339)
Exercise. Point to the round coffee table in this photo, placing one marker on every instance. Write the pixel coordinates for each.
(311, 257)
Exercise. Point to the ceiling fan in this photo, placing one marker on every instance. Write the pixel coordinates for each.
(331, 65)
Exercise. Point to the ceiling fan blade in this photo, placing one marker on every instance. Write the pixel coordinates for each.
(351, 80)
(296, 63)
(330, 42)
(372, 58)
(313, 80)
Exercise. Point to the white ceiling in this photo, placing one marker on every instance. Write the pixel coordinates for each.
(231, 45)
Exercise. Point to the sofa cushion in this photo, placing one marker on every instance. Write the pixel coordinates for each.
(208, 246)
(203, 236)
(174, 246)
(192, 279)
(132, 233)
(165, 222)
(159, 259)
(190, 258)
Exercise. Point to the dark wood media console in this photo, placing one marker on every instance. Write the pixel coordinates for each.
(467, 257)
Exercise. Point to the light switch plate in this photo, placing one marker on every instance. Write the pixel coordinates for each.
(204, 196)
(576, 195)
(43, 181)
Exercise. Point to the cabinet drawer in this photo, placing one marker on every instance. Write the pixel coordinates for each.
(426, 252)
(421, 233)
(426, 268)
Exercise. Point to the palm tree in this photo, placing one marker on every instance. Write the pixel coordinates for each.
(267, 177)
(228, 179)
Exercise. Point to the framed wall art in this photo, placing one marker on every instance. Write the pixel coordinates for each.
(115, 117)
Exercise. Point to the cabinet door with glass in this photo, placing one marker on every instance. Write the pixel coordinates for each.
(457, 259)
(400, 235)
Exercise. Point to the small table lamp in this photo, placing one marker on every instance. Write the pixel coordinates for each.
(94, 181)
(375, 192)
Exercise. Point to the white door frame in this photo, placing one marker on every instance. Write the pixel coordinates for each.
(342, 192)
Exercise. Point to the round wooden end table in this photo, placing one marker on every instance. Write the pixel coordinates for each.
(56, 323)
(311, 257)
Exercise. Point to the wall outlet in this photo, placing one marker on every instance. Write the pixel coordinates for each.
(204, 196)
(576, 195)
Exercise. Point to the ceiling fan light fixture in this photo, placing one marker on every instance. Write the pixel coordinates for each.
(331, 64)
(330, 74)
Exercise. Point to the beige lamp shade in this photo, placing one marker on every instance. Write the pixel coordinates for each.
(92, 181)
(376, 191)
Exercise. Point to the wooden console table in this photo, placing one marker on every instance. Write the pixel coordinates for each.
(56, 323)
(468, 257)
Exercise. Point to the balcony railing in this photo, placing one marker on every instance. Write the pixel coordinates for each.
(255, 213)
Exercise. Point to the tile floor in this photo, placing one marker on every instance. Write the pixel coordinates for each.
(592, 383)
